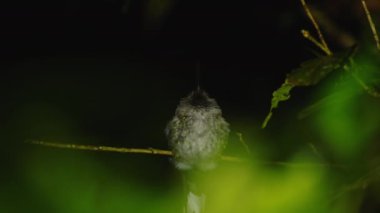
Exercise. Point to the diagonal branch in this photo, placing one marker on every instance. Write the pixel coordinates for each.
(371, 24)
(321, 43)
(306, 34)
(243, 143)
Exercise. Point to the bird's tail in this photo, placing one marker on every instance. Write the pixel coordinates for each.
(195, 203)
(195, 198)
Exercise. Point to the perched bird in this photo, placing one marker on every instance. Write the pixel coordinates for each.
(197, 135)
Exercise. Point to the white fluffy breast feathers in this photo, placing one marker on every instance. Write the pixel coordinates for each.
(197, 133)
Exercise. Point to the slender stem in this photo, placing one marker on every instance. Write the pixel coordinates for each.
(150, 151)
(325, 48)
(371, 24)
(371, 91)
(243, 143)
(306, 34)
(102, 148)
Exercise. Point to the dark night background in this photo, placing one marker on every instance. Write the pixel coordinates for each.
(105, 63)
(109, 72)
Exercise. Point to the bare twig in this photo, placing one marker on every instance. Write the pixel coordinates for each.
(370, 90)
(315, 150)
(331, 29)
(242, 141)
(102, 148)
(360, 184)
(150, 151)
(306, 34)
(371, 24)
(323, 45)
(303, 165)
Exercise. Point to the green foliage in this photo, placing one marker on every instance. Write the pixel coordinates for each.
(252, 188)
(309, 73)
(281, 94)
(312, 71)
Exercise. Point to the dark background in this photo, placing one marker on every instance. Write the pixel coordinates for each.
(99, 59)
(111, 68)
(104, 72)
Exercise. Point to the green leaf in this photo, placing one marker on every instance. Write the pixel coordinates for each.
(312, 71)
(281, 94)
(309, 73)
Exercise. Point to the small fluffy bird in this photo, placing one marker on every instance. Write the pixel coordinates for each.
(197, 135)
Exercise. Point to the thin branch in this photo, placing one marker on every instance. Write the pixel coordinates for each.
(102, 148)
(232, 159)
(306, 34)
(331, 29)
(303, 165)
(315, 151)
(150, 151)
(371, 91)
(242, 141)
(323, 45)
(325, 48)
(360, 184)
(371, 24)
